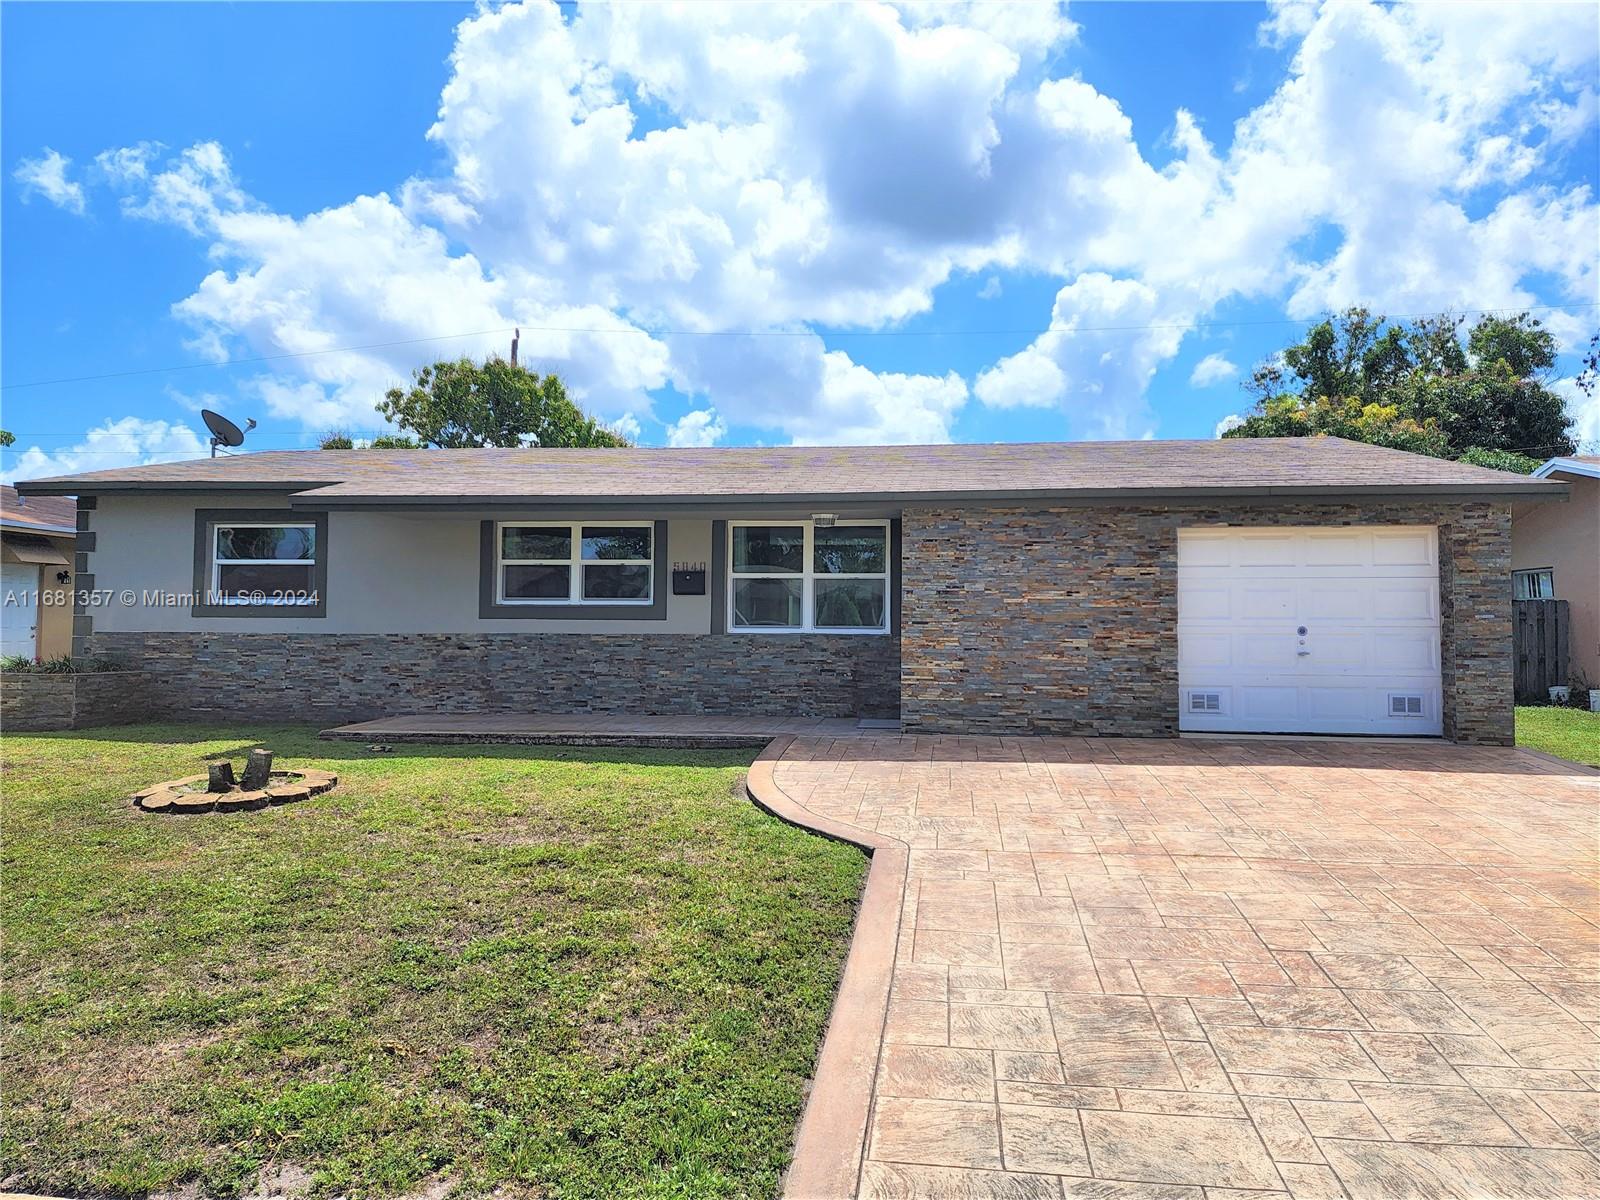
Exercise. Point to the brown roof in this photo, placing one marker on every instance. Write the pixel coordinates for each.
(41, 514)
(1232, 466)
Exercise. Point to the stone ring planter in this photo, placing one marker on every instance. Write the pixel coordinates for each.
(189, 795)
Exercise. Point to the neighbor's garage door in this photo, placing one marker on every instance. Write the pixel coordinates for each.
(1313, 630)
(19, 609)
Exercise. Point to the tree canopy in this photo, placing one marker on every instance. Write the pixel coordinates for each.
(338, 439)
(1417, 386)
(496, 403)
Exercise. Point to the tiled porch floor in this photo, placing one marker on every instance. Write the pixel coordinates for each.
(1139, 969)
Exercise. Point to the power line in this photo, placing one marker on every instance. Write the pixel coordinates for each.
(776, 333)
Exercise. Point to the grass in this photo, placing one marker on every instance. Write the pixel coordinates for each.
(1569, 733)
(537, 972)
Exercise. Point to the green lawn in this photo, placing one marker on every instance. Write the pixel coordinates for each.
(1570, 733)
(547, 972)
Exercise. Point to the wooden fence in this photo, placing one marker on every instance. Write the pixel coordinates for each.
(1539, 647)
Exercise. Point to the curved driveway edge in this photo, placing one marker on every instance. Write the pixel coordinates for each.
(831, 1141)
(1090, 967)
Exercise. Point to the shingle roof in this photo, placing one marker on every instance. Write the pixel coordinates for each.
(41, 514)
(1232, 466)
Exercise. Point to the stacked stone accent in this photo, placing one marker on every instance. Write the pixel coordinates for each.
(337, 678)
(38, 702)
(1064, 620)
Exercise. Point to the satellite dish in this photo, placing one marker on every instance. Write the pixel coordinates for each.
(223, 431)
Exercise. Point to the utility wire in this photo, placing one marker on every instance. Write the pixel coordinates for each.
(760, 333)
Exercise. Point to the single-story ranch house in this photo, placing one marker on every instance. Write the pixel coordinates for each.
(1145, 588)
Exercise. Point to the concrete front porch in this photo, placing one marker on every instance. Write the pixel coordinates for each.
(1203, 969)
(604, 729)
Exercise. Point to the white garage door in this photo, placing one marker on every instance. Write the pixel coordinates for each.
(19, 608)
(1314, 630)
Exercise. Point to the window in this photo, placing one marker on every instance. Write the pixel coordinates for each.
(1534, 585)
(800, 577)
(264, 564)
(576, 564)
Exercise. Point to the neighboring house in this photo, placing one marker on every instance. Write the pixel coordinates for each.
(1555, 555)
(1294, 585)
(36, 542)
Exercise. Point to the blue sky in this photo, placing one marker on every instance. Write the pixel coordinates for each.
(1011, 223)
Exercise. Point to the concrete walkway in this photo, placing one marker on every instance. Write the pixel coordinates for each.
(1193, 970)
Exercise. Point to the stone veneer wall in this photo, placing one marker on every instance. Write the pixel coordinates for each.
(1064, 620)
(336, 678)
(42, 702)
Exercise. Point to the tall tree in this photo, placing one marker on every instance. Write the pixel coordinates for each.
(1415, 386)
(496, 403)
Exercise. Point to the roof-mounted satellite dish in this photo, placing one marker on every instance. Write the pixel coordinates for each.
(223, 431)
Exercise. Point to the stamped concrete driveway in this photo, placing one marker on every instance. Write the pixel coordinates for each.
(1186, 969)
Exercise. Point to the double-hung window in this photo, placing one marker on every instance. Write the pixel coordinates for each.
(264, 564)
(798, 577)
(576, 563)
(1538, 584)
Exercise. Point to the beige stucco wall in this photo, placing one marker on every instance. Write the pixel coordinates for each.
(401, 572)
(1566, 538)
(55, 605)
(388, 572)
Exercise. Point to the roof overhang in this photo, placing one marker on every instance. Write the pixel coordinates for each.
(843, 502)
(10, 526)
(1567, 466)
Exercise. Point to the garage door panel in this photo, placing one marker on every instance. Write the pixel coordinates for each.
(1410, 547)
(1205, 550)
(1339, 652)
(1263, 652)
(1411, 601)
(1368, 600)
(1212, 602)
(1206, 650)
(1337, 703)
(1336, 602)
(1267, 550)
(1407, 651)
(1267, 603)
(1264, 702)
(1344, 548)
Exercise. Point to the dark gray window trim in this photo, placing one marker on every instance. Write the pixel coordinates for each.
(489, 609)
(205, 518)
(719, 577)
(894, 577)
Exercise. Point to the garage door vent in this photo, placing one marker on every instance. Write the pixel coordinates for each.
(1405, 704)
(1205, 702)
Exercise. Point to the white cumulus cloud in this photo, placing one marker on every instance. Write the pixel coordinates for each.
(127, 442)
(46, 176)
(697, 427)
(1212, 370)
(670, 177)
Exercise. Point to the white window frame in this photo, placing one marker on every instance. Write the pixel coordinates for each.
(218, 562)
(574, 563)
(1533, 573)
(808, 576)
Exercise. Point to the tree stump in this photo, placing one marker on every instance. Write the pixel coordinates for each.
(220, 778)
(257, 771)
